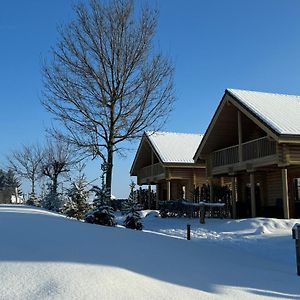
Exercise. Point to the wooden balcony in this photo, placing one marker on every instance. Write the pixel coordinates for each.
(150, 173)
(249, 151)
(226, 156)
(258, 148)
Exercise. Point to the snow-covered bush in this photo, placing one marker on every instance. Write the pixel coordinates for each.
(52, 200)
(77, 205)
(132, 208)
(133, 220)
(102, 213)
(33, 200)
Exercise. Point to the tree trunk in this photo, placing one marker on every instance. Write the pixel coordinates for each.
(32, 186)
(110, 150)
(54, 184)
(109, 169)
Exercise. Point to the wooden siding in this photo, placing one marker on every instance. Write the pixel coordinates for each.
(274, 187)
(294, 154)
(196, 176)
(288, 154)
(179, 177)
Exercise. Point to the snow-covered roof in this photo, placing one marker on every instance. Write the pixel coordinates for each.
(175, 147)
(280, 112)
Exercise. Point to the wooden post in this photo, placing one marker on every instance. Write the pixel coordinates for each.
(252, 189)
(222, 181)
(194, 186)
(149, 196)
(233, 200)
(240, 137)
(285, 195)
(188, 232)
(168, 190)
(211, 190)
(152, 163)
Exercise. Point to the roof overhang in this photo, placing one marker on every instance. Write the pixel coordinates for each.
(230, 98)
(144, 139)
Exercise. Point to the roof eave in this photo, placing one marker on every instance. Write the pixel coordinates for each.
(202, 143)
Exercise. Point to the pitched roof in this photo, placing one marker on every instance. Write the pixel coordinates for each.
(280, 112)
(175, 147)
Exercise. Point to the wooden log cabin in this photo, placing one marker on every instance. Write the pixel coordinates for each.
(253, 140)
(165, 159)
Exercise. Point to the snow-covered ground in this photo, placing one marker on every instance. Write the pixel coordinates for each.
(46, 256)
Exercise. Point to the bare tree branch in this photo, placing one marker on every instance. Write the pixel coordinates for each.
(26, 162)
(106, 83)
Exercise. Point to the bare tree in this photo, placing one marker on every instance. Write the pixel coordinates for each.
(106, 83)
(26, 162)
(57, 160)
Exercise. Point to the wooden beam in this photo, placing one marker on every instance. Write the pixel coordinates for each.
(285, 195)
(168, 190)
(252, 189)
(194, 178)
(222, 181)
(149, 196)
(233, 188)
(240, 136)
(254, 118)
(152, 162)
(211, 190)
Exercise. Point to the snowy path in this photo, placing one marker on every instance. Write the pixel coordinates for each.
(46, 256)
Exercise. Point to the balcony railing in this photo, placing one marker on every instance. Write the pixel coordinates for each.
(254, 149)
(226, 156)
(151, 171)
(258, 148)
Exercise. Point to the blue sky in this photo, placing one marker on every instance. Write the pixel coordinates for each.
(215, 44)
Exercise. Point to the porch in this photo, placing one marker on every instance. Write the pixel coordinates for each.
(266, 192)
(150, 174)
(257, 152)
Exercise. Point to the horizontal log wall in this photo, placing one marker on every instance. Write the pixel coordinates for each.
(294, 153)
(188, 173)
(274, 187)
(187, 177)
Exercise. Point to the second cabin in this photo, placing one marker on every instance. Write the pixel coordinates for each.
(165, 159)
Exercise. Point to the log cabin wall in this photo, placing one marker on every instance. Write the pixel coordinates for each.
(294, 153)
(197, 175)
(188, 177)
(274, 187)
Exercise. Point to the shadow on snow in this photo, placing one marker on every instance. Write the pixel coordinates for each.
(45, 237)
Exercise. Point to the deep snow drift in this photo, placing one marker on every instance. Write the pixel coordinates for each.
(46, 256)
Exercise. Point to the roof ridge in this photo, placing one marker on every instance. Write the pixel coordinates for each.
(260, 92)
(173, 132)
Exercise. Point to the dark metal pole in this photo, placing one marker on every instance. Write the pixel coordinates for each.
(297, 242)
(296, 237)
(188, 232)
